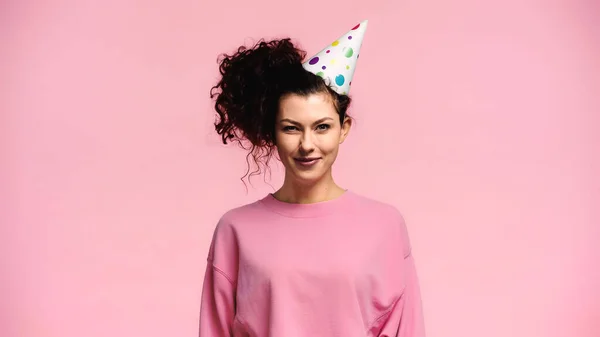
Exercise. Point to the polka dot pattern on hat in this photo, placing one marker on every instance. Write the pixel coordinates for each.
(337, 61)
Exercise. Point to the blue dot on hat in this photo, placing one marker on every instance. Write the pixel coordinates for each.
(339, 79)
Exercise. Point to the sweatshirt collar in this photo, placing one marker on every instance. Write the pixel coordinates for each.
(312, 210)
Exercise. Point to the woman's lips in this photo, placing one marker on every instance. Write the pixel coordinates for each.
(306, 161)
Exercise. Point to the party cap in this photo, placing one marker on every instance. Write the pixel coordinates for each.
(336, 62)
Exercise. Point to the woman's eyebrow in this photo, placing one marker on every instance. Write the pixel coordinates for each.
(297, 123)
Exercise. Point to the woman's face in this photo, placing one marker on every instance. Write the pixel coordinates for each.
(308, 134)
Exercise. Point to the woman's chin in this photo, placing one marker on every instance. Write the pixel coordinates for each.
(308, 177)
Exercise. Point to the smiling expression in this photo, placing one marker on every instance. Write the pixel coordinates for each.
(308, 134)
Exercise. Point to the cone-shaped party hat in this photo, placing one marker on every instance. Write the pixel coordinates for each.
(337, 61)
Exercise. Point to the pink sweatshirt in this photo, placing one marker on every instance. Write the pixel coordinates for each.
(336, 268)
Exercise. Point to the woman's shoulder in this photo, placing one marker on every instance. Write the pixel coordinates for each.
(240, 212)
(377, 206)
(387, 216)
(229, 222)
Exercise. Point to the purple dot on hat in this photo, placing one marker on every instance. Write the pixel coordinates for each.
(323, 67)
(314, 60)
(350, 37)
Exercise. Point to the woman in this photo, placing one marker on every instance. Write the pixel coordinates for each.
(313, 258)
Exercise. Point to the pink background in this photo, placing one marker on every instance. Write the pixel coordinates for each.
(478, 119)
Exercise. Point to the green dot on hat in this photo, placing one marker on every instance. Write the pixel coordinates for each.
(349, 52)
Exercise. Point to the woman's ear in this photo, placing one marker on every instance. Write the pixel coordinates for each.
(345, 129)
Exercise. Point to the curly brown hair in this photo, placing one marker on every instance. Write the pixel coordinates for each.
(253, 80)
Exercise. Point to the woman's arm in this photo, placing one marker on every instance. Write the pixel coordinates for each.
(406, 319)
(217, 309)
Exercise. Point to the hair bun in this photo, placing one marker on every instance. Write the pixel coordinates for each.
(247, 90)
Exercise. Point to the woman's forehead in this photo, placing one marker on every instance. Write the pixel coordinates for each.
(307, 108)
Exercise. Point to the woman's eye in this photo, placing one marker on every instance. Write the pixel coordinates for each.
(289, 128)
(323, 127)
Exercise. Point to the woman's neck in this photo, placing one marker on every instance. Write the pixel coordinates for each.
(293, 192)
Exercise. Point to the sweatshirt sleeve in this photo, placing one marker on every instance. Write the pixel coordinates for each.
(217, 304)
(217, 309)
(406, 318)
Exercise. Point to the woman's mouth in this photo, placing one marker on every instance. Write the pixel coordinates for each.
(306, 162)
